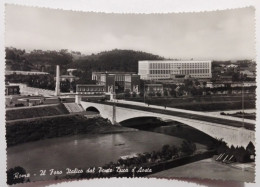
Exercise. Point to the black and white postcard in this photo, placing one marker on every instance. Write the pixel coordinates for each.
(92, 95)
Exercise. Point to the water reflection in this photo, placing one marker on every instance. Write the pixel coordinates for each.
(84, 151)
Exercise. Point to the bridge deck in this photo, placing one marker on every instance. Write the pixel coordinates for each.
(210, 119)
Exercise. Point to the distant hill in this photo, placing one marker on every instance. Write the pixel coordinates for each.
(115, 60)
(17, 59)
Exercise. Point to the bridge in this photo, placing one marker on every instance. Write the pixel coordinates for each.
(232, 130)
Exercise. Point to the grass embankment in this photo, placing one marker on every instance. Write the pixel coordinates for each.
(202, 103)
(26, 131)
(34, 112)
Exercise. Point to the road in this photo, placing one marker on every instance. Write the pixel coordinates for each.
(225, 120)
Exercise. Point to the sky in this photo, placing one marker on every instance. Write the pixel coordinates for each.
(215, 35)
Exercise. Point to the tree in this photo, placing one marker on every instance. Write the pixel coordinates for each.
(173, 92)
(188, 147)
(188, 83)
(250, 148)
(127, 93)
(165, 92)
(165, 148)
(241, 155)
(197, 83)
(11, 179)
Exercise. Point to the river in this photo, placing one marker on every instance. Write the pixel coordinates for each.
(83, 151)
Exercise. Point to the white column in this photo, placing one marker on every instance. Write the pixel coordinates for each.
(78, 98)
(57, 88)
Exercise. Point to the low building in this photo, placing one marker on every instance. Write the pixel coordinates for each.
(90, 89)
(243, 84)
(12, 90)
(248, 73)
(118, 82)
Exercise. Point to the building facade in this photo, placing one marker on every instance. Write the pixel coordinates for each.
(118, 82)
(90, 89)
(164, 69)
(153, 88)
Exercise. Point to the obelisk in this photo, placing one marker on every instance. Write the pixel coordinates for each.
(57, 88)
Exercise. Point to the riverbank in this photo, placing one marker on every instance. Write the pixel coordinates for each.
(208, 169)
(18, 132)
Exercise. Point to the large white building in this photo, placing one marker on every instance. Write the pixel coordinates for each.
(163, 69)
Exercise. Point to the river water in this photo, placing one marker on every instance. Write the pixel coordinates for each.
(83, 151)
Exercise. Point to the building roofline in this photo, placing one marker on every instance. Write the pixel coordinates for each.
(175, 61)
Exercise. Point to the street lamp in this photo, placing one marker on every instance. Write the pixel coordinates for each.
(243, 106)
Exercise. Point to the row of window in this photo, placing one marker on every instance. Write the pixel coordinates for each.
(168, 76)
(120, 78)
(91, 89)
(179, 65)
(157, 75)
(90, 93)
(183, 71)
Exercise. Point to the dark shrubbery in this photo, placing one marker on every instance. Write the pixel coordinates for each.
(188, 147)
(19, 105)
(26, 131)
(12, 175)
(240, 153)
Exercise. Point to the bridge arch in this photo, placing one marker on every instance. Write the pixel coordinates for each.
(169, 127)
(135, 121)
(92, 109)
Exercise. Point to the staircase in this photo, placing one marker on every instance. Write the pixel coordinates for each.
(74, 108)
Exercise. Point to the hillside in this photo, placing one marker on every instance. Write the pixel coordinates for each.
(20, 60)
(115, 60)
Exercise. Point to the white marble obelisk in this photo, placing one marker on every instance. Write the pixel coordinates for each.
(57, 88)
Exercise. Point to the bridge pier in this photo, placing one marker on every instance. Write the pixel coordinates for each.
(78, 99)
(114, 115)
